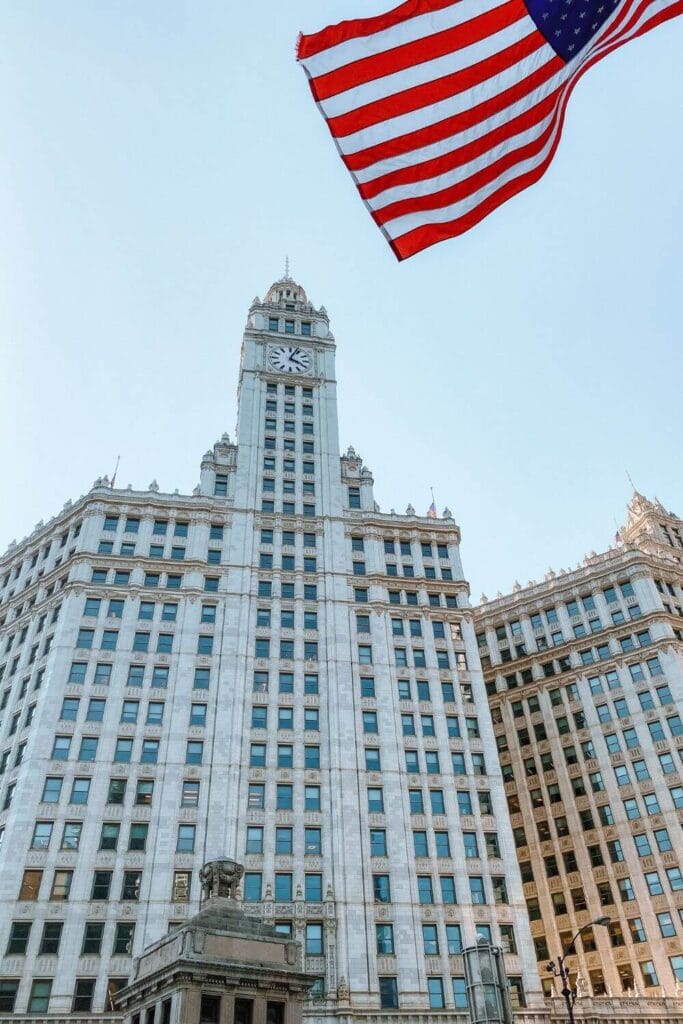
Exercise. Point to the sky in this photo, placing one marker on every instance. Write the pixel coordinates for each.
(158, 162)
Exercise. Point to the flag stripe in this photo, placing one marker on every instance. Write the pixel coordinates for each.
(423, 52)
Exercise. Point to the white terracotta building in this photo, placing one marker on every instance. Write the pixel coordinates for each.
(268, 669)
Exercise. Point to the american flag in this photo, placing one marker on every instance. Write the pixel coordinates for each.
(431, 511)
(442, 110)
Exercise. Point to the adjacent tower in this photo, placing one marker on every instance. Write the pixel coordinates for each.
(585, 678)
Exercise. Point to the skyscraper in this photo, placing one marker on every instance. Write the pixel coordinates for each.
(270, 669)
(585, 678)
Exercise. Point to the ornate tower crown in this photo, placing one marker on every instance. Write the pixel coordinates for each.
(286, 290)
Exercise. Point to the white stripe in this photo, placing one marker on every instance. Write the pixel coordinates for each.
(436, 149)
(419, 74)
(404, 124)
(429, 186)
(407, 31)
(401, 225)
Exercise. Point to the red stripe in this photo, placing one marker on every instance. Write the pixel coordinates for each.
(398, 58)
(454, 124)
(462, 154)
(420, 238)
(357, 28)
(419, 96)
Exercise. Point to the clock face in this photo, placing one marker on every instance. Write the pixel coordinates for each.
(290, 359)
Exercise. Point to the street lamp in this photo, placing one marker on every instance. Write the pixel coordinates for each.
(558, 970)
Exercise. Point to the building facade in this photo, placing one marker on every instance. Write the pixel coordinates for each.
(268, 669)
(584, 673)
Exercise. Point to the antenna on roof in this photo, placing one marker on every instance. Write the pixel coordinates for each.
(631, 481)
(286, 266)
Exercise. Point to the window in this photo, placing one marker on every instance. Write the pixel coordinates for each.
(381, 888)
(420, 844)
(447, 885)
(675, 878)
(313, 887)
(311, 798)
(130, 889)
(388, 993)
(384, 937)
(285, 681)
(647, 969)
(186, 838)
(189, 796)
(194, 752)
(378, 842)
(198, 714)
(425, 889)
(180, 892)
(123, 939)
(367, 686)
(88, 748)
(284, 797)
(375, 800)
(651, 803)
(39, 999)
(435, 991)
(92, 939)
(314, 939)
(201, 679)
(79, 791)
(123, 751)
(477, 893)
(61, 885)
(18, 938)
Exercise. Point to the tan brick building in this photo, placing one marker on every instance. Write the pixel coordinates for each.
(584, 673)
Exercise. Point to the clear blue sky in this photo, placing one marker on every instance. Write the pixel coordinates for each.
(157, 162)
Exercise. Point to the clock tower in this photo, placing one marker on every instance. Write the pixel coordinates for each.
(288, 405)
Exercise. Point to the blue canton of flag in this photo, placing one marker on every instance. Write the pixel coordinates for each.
(569, 25)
